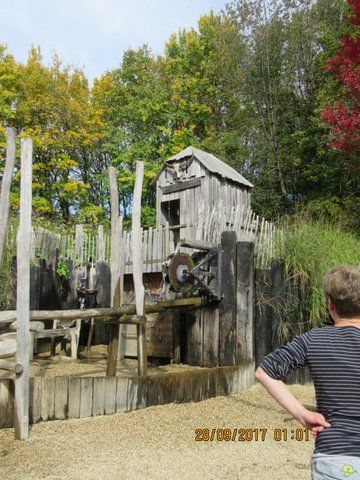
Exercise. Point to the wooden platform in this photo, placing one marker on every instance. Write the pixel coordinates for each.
(60, 398)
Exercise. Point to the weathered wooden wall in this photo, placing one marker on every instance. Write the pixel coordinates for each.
(60, 398)
(223, 334)
(202, 188)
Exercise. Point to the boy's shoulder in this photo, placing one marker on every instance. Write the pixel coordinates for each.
(320, 330)
(317, 332)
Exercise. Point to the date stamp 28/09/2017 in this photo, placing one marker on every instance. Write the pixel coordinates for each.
(251, 434)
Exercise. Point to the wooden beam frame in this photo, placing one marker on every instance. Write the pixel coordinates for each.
(9, 316)
(198, 244)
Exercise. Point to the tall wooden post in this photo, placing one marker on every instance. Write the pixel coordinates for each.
(114, 271)
(23, 294)
(138, 267)
(227, 307)
(123, 327)
(244, 348)
(5, 186)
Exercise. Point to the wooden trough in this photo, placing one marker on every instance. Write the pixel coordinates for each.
(60, 398)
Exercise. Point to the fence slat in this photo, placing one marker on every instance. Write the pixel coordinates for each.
(74, 397)
(61, 397)
(86, 397)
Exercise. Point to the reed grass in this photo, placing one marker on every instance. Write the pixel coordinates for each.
(310, 249)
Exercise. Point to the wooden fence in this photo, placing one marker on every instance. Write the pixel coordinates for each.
(84, 243)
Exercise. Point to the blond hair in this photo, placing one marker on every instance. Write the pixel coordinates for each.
(342, 286)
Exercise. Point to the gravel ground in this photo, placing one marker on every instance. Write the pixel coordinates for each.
(157, 443)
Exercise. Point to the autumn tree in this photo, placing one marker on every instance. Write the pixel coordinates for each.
(52, 106)
(344, 116)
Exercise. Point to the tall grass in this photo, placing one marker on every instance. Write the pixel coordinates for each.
(310, 249)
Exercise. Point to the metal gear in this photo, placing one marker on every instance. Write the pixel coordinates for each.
(179, 269)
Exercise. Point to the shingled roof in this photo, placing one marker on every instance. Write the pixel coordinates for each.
(211, 163)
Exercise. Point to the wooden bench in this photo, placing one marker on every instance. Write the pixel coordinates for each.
(60, 329)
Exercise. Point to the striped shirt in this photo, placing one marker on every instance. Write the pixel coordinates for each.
(333, 356)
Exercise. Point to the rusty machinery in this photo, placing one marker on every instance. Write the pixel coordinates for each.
(193, 274)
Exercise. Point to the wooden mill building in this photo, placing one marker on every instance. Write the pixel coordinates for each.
(187, 181)
(193, 178)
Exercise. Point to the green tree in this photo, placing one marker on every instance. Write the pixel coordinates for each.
(131, 99)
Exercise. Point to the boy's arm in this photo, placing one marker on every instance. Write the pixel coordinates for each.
(278, 390)
(276, 367)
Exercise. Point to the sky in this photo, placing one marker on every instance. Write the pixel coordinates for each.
(93, 34)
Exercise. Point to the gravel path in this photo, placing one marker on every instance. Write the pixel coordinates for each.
(158, 444)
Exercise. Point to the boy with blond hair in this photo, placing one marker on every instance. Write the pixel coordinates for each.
(333, 355)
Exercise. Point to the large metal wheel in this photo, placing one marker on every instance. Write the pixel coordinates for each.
(179, 272)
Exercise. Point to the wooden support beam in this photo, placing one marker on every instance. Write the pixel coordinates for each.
(114, 272)
(115, 238)
(133, 320)
(121, 260)
(126, 320)
(198, 244)
(176, 227)
(23, 294)
(99, 314)
(179, 302)
(177, 187)
(138, 267)
(5, 186)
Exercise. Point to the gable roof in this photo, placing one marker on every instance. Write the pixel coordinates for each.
(211, 163)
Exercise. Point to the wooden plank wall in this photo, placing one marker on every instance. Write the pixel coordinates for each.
(223, 334)
(78, 397)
